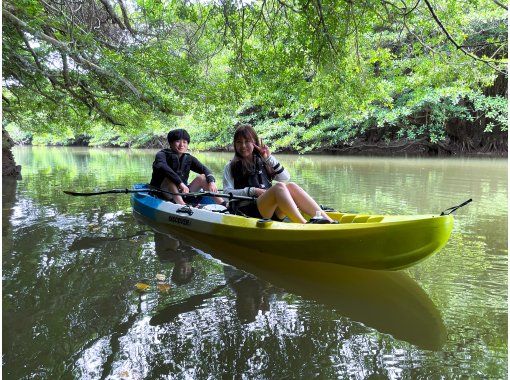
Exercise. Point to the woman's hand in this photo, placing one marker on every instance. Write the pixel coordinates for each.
(263, 150)
(183, 188)
(212, 187)
(257, 192)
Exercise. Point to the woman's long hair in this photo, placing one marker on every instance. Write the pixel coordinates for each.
(248, 132)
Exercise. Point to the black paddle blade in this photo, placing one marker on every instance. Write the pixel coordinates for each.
(75, 194)
(115, 191)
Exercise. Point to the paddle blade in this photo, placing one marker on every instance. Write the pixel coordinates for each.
(71, 192)
(115, 191)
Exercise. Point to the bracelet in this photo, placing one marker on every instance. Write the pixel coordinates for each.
(249, 189)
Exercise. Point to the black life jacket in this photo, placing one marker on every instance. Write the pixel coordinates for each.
(258, 177)
(182, 167)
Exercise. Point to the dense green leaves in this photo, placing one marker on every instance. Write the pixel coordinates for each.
(309, 74)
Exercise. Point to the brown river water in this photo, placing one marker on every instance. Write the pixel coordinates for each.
(71, 265)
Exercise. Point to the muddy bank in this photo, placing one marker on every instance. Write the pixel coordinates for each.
(459, 142)
(421, 147)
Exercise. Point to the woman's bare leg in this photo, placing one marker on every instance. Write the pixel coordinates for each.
(304, 201)
(279, 196)
(172, 187)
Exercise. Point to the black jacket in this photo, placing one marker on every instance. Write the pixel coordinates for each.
(168, 165)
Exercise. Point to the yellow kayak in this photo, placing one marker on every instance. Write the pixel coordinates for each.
(387, 242)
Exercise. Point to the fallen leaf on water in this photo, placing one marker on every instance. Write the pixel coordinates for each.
(164, 288)
(160, 277)
(124, 374)
(140, 286)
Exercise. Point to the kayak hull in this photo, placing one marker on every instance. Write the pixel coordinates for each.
(375, 242)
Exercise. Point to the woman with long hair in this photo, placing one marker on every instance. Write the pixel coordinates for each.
(251, 173)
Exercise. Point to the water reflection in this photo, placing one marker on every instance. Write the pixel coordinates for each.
(9, 186)
(169, 250)
(252, 295)
(390, 302)
(95, 242)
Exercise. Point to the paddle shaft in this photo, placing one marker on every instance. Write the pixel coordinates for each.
(196, 194)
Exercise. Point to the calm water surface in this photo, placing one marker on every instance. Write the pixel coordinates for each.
(70, 266)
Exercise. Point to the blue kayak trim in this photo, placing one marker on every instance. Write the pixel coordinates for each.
(146, 204)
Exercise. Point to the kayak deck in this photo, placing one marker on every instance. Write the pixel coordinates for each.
(369, 241)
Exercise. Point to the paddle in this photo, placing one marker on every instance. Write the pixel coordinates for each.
(450, 210)
(196, 194)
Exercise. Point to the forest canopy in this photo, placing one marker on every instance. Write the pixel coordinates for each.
(310, 74)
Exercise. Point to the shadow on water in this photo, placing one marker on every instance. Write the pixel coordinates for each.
(390, 302)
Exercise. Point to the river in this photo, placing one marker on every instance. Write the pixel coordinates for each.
(71, 265)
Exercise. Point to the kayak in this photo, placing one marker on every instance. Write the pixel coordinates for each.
(385, 242)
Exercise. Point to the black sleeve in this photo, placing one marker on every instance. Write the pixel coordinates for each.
(161, 165)
(200, 168)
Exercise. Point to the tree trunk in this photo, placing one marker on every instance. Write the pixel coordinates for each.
(9, 167)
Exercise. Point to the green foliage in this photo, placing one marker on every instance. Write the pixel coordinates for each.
(318, 74)
(494, 108)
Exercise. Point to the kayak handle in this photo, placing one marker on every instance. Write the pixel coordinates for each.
(185, 210)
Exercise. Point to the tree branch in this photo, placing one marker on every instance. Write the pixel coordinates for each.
(459, 47)
(500, 4)
(112, 14)
(126, 18)
(97, 106)
(76, 57)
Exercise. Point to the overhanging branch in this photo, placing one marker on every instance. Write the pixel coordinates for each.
(490, 63)
(76, 57)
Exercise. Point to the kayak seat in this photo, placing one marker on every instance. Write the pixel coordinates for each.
(361, 219)
(214, 208)
(347, 218)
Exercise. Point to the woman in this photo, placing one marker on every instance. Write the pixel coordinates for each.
(251, 173)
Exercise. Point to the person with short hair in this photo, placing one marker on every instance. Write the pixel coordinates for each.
(171, 169)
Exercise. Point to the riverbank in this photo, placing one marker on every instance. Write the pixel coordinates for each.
(461, 141)
(358, 147)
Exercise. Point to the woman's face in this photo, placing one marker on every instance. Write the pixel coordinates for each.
(244, 146)
(179, 146)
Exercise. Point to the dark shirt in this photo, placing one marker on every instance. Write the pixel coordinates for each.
(168, 165)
